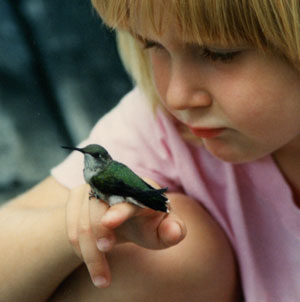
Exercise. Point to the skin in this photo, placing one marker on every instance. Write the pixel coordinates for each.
(39, 259)
(255, 98)
(34, 244)
(183, 272)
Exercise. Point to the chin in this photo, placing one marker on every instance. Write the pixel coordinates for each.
(231, 154)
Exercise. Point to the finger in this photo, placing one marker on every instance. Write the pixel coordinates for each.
(171, 231)
(95, 260)
(73, 210)
(119, 213)
(152, 183)
(105, 237)
(154, 230)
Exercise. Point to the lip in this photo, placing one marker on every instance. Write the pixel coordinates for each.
(206, 132)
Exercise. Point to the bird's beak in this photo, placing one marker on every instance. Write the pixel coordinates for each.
(73, 148)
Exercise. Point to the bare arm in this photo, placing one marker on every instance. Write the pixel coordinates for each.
(35, 252)
(200, 268)
(36, 255)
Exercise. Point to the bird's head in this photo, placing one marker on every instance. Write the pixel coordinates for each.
(95, 156)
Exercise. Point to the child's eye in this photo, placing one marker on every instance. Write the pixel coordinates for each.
(147, 44)
(225, 56)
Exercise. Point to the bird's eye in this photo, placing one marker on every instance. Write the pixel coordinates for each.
(96, 155)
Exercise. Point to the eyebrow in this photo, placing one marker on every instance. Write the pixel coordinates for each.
(187, 45)
(140, 37)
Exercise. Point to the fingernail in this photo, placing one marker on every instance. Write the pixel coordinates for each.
(177, 233)
(100, 281)
(177, 229)
(103, 244)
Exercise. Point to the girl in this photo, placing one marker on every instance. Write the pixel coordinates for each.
(215, 117)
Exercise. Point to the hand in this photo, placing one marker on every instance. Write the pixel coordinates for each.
(95, 228)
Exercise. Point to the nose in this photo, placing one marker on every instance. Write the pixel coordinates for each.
(186, 88)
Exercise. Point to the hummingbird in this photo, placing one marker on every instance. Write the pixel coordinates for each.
(113, 182)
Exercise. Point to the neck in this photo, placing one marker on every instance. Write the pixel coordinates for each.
(288, 161)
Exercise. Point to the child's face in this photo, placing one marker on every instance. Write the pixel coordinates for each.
(253, 100)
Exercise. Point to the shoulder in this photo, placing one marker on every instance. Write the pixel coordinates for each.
(130, 132)
(133, 104)
(132, 115)
(132, 127)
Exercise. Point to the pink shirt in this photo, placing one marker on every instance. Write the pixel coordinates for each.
(251, 201)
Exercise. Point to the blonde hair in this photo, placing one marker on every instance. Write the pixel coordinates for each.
(269, 25)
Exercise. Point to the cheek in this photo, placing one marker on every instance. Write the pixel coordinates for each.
(160, 74)
(264, 93)
(245, 103)
(246, 97)
(261, 109)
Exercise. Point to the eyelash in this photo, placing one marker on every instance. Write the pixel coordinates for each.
(151, 44)
(218, 56)
(206, 53)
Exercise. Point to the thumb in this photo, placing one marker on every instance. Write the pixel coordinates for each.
(152, 183)
(171, 231)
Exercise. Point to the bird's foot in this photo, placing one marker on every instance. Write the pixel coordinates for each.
(93, 194)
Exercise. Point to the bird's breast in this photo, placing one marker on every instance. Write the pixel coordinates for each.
(88, 174)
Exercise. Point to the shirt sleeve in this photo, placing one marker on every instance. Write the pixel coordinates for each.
(133, 134)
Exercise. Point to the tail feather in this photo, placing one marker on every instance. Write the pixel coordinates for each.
(154, 198)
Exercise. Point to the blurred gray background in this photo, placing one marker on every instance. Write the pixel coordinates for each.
(59, 73)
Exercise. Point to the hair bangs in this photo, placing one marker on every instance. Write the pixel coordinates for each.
(219, 21)
(222, 21)
(135, 16)
(267, 25)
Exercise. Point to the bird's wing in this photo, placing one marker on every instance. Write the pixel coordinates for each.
(118, 179)
(116, 174)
